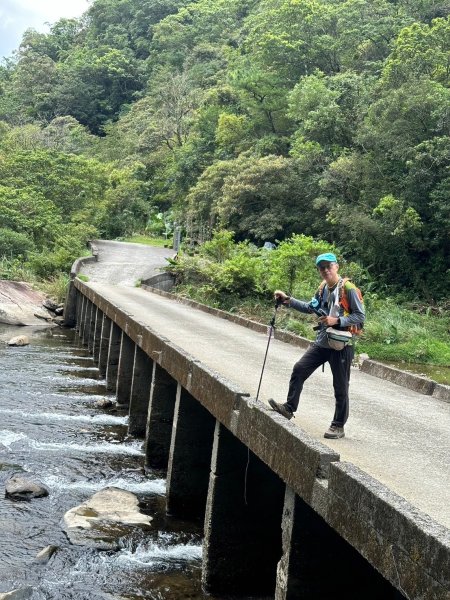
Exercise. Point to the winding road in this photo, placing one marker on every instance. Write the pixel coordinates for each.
(124, 264)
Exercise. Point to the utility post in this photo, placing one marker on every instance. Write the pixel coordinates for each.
(176, 237)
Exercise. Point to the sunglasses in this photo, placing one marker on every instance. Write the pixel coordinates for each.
(324, 266)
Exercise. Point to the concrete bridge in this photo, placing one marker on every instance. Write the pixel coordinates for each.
(286, 515)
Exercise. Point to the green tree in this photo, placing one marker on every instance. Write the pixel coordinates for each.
(67, 181)
(28, 212)
(125, 210)
(94, 84)
(420, 51)
(32, 86)
(328, 110)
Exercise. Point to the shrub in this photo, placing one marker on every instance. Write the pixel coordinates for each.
(14, 243)
(291, 266)
(241, 274)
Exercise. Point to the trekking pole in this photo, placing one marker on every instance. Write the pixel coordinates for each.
(278, 303)
(271, 330)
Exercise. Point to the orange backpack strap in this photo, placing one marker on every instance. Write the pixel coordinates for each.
(343, 300)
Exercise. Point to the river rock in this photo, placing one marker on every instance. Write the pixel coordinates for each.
(19, 594)
(22, 488)
(104, 403)
(58, 320)
(19, 302)
(50, 304)
(45, 554)
(40, 313)
(102, 520)
(19, 340)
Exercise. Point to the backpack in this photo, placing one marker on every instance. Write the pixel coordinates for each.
(343, 285)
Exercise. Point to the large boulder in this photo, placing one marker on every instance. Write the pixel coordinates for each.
(106, 517)
(19, 303)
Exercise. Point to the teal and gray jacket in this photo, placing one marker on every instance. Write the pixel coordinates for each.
(326, 300)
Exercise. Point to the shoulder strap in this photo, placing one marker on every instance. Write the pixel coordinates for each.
(341, 286)
(320, 290)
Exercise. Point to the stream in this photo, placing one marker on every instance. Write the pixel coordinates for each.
(52, 430)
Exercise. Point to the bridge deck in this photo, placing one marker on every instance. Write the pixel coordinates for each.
(398, 436)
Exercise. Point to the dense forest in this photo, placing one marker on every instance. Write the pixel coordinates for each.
(268, 118)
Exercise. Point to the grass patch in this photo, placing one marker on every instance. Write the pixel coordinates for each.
(148, 241)
(16, 270)
(56, 287)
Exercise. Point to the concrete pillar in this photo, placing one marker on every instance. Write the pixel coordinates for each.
(125, 369)
(80, 306)
(104, 345)
(91, 328)
(317, 563)
(86, 304)
(140, 393)
(97, 334)
(242, 543)
(189, 458)
(87, 324)
(163, 395)
(70, 305)
(113, 357)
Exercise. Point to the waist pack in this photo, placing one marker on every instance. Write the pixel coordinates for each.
(338, 339)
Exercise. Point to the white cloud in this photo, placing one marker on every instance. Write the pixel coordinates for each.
(18, 15)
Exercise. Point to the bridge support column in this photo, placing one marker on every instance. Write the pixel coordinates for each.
(160, 418)
(113, 357)
(80, 304)
(242, 544)
(84, 320)
(318, 563)
(70, 311)
(104, 345)
(140, 393)
(91, 327)
(125, 369)
(190, 457)
(97, 334)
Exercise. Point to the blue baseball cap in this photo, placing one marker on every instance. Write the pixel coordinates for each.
(328, 257)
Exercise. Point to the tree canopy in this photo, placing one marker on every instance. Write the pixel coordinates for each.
(269, 118)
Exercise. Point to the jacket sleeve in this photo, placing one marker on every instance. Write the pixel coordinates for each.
(357, 313)
(300, 305)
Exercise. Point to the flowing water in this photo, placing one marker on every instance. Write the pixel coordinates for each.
(51, 429)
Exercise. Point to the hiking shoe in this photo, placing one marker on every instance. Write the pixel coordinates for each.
(281, 408)
(334, 432)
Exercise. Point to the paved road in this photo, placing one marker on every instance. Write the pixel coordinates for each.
(124, 264)
(398, 436)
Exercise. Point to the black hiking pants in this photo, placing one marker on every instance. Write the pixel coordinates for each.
(340, 363)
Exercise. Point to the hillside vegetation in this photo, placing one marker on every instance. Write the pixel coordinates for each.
(267, 118)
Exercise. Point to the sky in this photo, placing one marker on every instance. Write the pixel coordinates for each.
(18, 15)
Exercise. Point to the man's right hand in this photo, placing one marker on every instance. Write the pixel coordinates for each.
(281, 297)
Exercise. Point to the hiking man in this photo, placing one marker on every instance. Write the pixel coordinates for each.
(340, 306)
